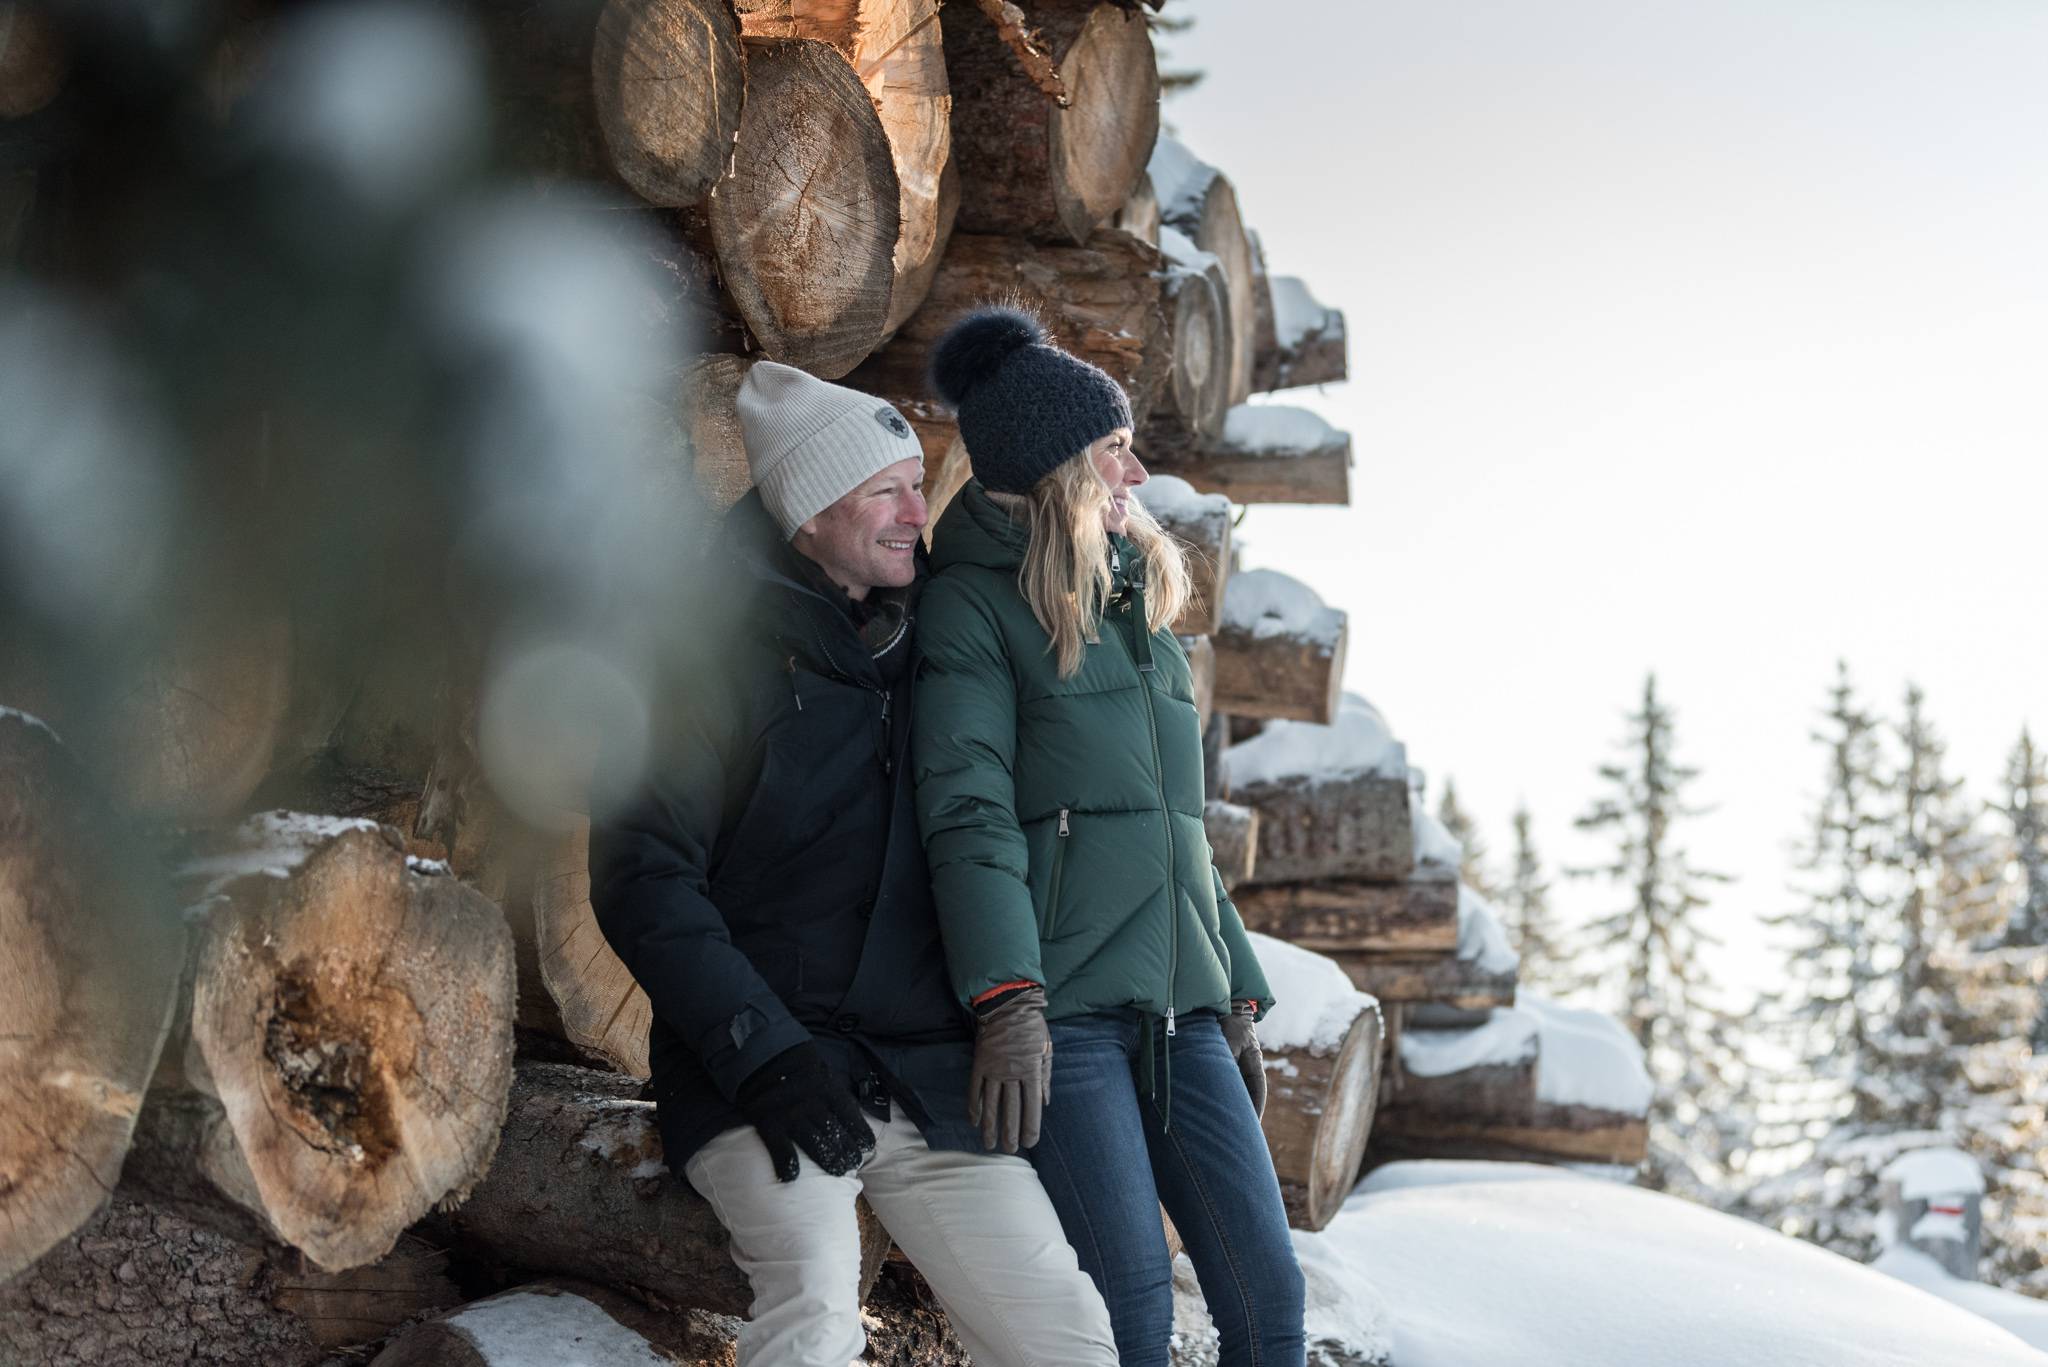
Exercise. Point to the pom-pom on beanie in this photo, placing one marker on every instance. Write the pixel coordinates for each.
(810, 442)
(1025, 406)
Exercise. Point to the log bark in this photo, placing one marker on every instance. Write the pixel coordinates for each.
(601, 1008)
(1140, 215)
(895, 50)
(1279, 651)
(88, 976)
(1233, 840)
(1349, 826)
(364, 1304)
(1435, 979)
(565, 1321)
(1203, 527)
(33, 60)
(1202, 670)
(1549, 1134)
(1101, 300)
(579, 1189)
(1029, 166)
(1307, 345)
(1319, 1117)
(711, 390)
(944, 476)
(342, 1062)
(141, 1286)
(1267, 453)
(806, 226)
(1410, 918)
(647, 91)
(1199, 202)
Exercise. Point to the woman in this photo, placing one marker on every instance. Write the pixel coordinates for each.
(1059, 790)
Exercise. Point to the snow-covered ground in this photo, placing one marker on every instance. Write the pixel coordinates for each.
(1441, 1264)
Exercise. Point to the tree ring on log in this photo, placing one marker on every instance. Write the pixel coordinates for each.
(668, 82)
(1113, 77)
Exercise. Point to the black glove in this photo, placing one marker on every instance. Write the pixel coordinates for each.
(1244, 1047)
(794, 1102)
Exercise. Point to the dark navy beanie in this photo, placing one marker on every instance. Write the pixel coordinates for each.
(1025, 406)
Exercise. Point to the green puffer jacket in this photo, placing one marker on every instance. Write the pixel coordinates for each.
(1063, 817)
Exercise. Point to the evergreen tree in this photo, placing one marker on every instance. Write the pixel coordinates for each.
(1472, 864)
(1526, 899)
(2026, 808)
(1645, 957)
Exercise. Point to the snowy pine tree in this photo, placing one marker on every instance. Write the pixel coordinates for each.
(1472, 866)
(1526, 899)
(1644, 958)
(2026, 808)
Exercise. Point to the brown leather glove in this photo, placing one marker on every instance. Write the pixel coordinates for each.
(1243, 1040)
(1012, 1076)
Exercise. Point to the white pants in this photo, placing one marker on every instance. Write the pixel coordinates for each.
(977, 1225)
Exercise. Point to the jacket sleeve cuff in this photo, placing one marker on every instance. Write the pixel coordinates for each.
(755, 1034)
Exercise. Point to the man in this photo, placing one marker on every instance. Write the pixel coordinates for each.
(769, 891)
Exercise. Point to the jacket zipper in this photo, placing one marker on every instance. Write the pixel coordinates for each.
(1059, 864)
(1166, 815)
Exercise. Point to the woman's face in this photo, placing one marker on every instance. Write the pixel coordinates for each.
(1118, 465)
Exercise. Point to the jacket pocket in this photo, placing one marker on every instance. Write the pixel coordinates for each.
(1059, 865)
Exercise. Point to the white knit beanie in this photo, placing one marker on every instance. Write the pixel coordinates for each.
(811, 442)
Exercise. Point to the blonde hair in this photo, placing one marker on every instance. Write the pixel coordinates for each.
(1065, 576)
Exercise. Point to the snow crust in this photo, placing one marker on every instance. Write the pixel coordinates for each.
(270, 845)
(1586, 1058)
(1927, 1173)
(1508, 1037)
(432, 868)
(1179, 178)
(1278, 429)
(1346, 1324)
(1314, 1002)
(535, 1329)
(2022, 1316)
(1177, 247)
(1269, 603)
(1438, 853)
(1169, 498)
(1509, 1263)
(26, 719)
(1358, 742)
(619, 1128)
(1482, 941)
(1296, 314)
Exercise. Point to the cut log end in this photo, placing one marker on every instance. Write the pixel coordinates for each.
(603, 1011)
(1319, 1118)
(1102, 140)
(806, 226)
(667, 80)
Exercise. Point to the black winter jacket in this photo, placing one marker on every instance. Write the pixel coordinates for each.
(768, 885)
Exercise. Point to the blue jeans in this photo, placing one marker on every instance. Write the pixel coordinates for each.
(1109, 1161)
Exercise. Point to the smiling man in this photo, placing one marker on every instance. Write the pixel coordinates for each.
(769, 891)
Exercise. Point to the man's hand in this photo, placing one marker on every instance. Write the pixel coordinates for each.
(1012, 1077)
(795, 1103)
(1243, 1039)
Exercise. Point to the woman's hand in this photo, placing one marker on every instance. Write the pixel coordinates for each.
(1012, 1076)
(1243, 1039)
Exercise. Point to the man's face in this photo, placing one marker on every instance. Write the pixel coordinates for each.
(868, 539)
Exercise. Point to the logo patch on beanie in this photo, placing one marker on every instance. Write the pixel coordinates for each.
(892, 420)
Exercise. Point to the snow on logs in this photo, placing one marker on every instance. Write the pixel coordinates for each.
(579, 1189)
(1029, 164)
(1308, 344)
(1279, 651)
(1266, 453)
(1322, 1047)
(561, 1321)
(1201, 523)
(1199, 202)
(1481, 975)
(88, 974)
(341, 1062)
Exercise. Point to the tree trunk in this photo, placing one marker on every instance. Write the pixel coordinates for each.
(1233, 840)
(806, 227)
(579, 1189)
(1202, 526)
(567, 1322)
(895, 50)
(1279, 652)
(345, 1056)
(1029, 166)
(1307, 346)
(1199, 202)
(1319, 1116)
(33, 60)
(648, 91)
(1265, 453)
(1402, 918)
(88, 974)
(1101, 301)
(140, 1286)
(1342, 826)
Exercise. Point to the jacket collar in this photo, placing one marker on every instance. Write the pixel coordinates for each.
(797, 606)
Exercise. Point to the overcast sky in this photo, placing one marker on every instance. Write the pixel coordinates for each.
(1704, 337)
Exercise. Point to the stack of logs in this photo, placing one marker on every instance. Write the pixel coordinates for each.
(279, 1081)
